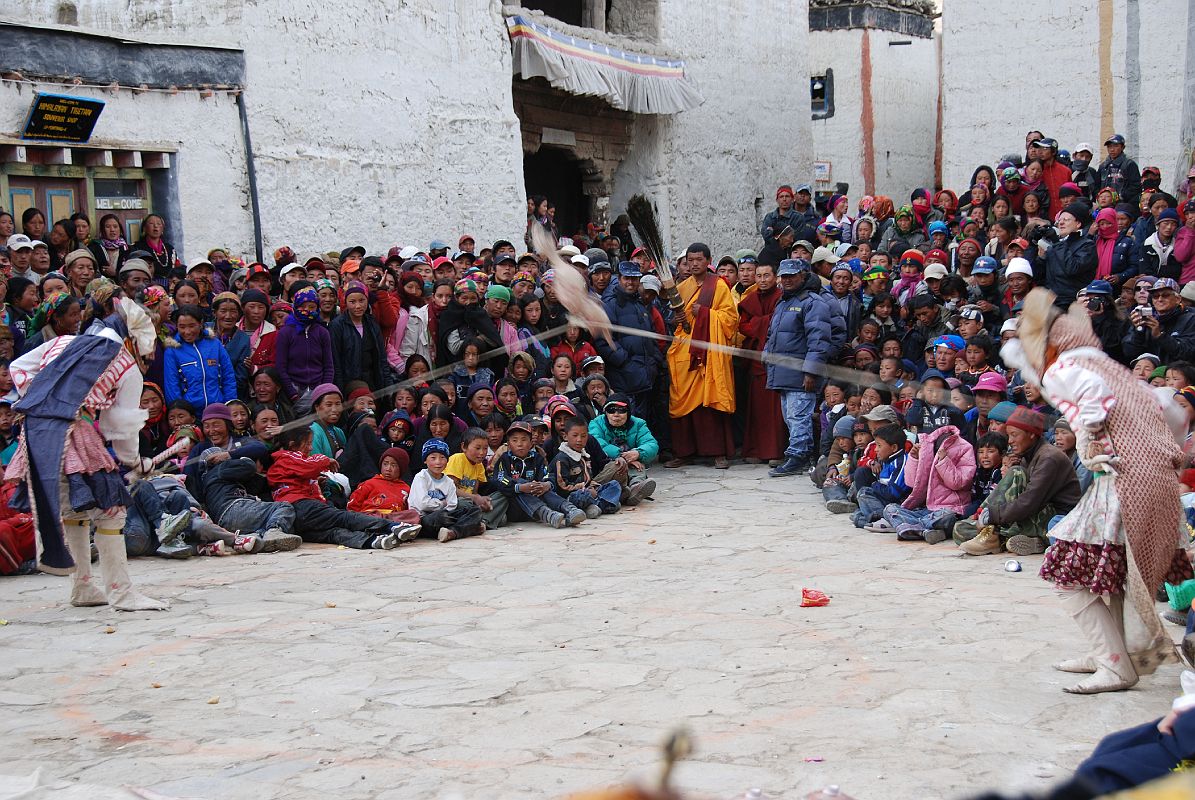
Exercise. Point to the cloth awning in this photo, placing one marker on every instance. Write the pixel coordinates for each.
(629, 81)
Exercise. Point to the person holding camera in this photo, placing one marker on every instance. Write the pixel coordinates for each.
(1071, 261)
(1163, 327)
(1107, 324)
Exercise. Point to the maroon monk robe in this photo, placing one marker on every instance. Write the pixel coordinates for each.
(766, 434)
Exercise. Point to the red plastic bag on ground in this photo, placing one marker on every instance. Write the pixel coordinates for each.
(813, 598)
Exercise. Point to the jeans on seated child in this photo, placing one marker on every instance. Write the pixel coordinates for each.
(919, 519)
(607, 497)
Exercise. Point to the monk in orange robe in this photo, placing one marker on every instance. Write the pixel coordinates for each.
(701, 397)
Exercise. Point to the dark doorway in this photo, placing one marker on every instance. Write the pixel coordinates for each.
(569, 12)
(557, 174)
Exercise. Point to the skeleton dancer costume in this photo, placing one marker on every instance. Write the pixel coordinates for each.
(1124, 537)
(76, 393)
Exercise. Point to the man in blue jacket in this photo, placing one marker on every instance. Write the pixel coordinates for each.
(633, 362)
(800, 329)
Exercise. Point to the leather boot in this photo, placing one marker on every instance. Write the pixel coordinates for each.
(986, 542)
(1114, 669)
(78, 540)
(115, 568)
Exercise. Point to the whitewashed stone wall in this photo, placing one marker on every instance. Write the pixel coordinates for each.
(904, 80)
(1026, 65)
(375, 123)
(714, 170)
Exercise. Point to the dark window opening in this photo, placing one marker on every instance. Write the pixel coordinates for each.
(821, 95)
(570, 12)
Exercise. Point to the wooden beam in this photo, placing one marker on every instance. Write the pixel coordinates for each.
(155, 160)
(127, 158)
(98, 158)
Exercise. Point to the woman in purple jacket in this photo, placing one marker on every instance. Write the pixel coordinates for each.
(303, 350)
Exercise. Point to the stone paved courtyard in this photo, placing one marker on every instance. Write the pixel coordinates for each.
(532, 663)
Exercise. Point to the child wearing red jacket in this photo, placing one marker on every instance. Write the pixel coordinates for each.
(385, 494)
(574, 346)
(294, 477)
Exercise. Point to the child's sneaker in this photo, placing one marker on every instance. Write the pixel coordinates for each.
(639, 492)
(881, 525)
(933, 536)
(593, 511)
(275, 540)
(447, 535)
(550, 517)
(172, 525)
(215, 549)
(575, 517)
(841, 507)
(247, 544)
(387, 541)
(406, 531)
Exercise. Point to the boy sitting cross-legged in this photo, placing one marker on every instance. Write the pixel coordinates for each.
(522, 474)
(572, 476)
(433, 495)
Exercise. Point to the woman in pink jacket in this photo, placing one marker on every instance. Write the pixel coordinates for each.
(939, 472)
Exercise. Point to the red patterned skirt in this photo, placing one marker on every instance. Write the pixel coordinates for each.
(1101, 568)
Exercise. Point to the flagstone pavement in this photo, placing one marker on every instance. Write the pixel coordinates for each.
(531, 662)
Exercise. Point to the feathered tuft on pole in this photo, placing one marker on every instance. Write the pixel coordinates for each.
(570, 287)
(642, 214)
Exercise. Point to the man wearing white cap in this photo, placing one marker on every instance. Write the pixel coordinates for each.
(1082, 173)
(20, 251)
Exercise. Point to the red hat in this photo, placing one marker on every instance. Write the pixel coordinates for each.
(1021, 243)
(784, 188)
(399, 455)
(914, 255)
(361, 392)
(442, 261)
(257, 268)
(465, 238)
(937, 255)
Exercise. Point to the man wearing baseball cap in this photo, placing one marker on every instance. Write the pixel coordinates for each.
(1083, 175)
(1054, 173)
(20, 252)
(1169, 331)
(1120, 172)
(798, 330)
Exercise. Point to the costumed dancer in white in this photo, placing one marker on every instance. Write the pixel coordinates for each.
(1124, 537)
(76, 393)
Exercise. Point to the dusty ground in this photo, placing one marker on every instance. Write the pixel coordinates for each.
(532, 663)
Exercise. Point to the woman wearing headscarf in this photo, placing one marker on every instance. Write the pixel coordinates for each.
(882, 211)
(58, 315)
(904, 235)
(945, 206)
(303, 349)
(837, 208)
(1113, 250)
(156, 429)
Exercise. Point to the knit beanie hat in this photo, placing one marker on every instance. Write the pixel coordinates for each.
(1027, 420)
(844, 426)
(400, 456)
(435, 446)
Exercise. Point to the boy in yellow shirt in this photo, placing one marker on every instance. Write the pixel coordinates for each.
(467, 470)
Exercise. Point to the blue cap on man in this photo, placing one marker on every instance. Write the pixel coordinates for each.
(792, 266)
(629, 269)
